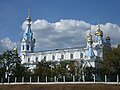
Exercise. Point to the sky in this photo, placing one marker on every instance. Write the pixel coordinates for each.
(58, 23)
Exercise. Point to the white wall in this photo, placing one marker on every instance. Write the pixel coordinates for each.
(57, 53)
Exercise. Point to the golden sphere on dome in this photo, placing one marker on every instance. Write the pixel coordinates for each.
(99, 32)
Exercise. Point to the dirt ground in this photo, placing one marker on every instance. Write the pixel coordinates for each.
(60, 87)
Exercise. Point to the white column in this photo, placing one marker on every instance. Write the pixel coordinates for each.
(64, 55)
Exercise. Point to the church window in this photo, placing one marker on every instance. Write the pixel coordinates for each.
(32, 48)
(71, 56)
(36, 59)
(62, 56)
(44, 58)
(53, 57)
(81, 55)
(27, 47)
(23, 47)
(28, 59)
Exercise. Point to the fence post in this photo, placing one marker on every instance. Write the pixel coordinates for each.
(38, 79)
(57, 79)
(63, 78)
(105, 78)
(54, 78)
(83, 78)
(1, 80)
(46, 79)
(118, 79)
(8, 79)
(73, 78)
(15, 79)
(79, 79)
(22, 79)
(94, 77)
(30, 79)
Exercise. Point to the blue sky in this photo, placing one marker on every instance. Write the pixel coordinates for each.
(14, 12)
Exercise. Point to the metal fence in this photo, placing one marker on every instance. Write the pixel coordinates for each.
(55, 79)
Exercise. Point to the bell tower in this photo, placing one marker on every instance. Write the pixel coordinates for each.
(28, 42)
(89, 45)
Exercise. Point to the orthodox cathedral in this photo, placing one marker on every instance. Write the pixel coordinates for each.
(89, 55)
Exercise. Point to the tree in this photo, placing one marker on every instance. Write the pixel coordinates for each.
(111, 63)
(10, 64)
(20, 71)
(73, 67)
(43, 69)
(60, 70)
(8, 60)
(89, 71)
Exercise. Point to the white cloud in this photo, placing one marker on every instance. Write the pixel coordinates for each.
(68, 33)
(63, 34)
(113, 30)
(6, 44)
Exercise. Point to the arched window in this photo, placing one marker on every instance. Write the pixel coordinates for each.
(36, 59)
(44, 58)
(53, 57)
(28, 59)
(71, 56)
(27, 47)
(32, 48)
(62, 56)
(23, 47)
(81, 55)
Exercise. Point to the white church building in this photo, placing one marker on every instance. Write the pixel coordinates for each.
(89, 55)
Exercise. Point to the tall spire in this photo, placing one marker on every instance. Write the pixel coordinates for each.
(28, 42)
(28, 18)
(29, 34)
(28, 12)
(90, 48)
(98, 24)
(99, 32)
